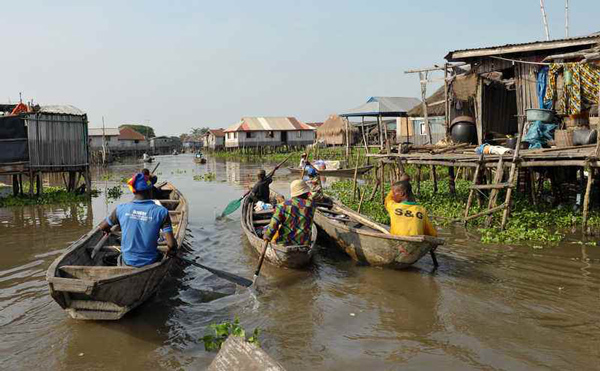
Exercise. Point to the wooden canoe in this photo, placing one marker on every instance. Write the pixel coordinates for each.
(200, 160)
(96, 289)
(368, 245)
(339, 172)
(278, 255)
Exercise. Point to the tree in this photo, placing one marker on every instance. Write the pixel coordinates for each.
(197, 133)
(146, 131)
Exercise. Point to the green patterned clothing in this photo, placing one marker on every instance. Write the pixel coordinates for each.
(291, 223)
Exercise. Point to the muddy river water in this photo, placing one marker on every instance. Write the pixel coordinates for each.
(486, 308)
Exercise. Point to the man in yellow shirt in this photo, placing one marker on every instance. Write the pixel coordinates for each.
(407, 217)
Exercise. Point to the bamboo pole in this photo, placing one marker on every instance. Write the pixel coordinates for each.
(451, 180)
(423, 79)
(382, 174)
(434, 178)
(362, 196)
(472, 192)
(511, 176)
(419, 179)
(355, 176)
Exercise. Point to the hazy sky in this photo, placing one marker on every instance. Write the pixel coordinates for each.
(183, 64)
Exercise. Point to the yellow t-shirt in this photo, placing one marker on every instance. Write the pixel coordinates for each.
(408, 218)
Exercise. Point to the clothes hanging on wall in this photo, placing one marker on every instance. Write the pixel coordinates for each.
(581, 86)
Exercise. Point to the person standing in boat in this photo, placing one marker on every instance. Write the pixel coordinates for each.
(313, 180)
(145, 156)
(141, 222)
(407, 217)
(303, 160)
(292, 220)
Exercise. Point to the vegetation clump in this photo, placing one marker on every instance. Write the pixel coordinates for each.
(213, 342)
(208, 177)
(51, 195)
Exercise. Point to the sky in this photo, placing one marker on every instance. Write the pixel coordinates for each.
(180, 64)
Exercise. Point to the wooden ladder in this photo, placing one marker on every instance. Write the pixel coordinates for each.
(495, 187)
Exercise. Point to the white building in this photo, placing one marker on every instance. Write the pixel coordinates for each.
(214, 139)
(110, 135)
(268, 131)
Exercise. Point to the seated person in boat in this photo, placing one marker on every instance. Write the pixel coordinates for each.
(261, 191)
(292, 220)
(313, 180)
(407, 217)
(141, 221)
(145, 156)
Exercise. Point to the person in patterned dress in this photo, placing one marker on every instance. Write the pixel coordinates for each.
(292, 220)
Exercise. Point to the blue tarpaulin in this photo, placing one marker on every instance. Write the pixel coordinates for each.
(538, 134)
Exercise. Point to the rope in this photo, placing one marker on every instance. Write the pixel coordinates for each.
(524, 62)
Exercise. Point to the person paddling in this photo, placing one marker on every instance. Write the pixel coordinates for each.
(141, 222)
(292, 220)
(261, 191)
(313, 180)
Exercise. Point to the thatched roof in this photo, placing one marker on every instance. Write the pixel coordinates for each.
(334, 125)
(434, 107)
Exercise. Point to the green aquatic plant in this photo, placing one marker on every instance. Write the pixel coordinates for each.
(208, 177)
(114, 192)
(51, 196)
(213, 342)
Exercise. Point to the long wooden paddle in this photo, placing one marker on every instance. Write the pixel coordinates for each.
(260, 262)
(235, 204)
(102, 242)
(224, 275)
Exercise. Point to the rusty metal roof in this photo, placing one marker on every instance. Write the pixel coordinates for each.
(268, 124)
(461, 54)
(130, 134)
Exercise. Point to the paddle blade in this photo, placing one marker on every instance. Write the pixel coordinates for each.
(233, 206)
(224, 275)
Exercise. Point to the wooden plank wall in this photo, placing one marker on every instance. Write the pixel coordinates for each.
(57, 141)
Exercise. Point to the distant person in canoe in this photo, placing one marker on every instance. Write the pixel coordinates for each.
(141, 222)
(313, 180)
(407, 217)
(292, 220)
(303, 160)
(145, 157)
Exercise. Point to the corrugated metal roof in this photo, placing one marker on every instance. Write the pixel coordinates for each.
(268, 124)
(384, 106)
(216, 132)
(109, 132)
(522, 47)
(64, 109)
(130, 134)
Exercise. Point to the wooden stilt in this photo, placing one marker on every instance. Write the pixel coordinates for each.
(511, 177)
(382, 183)
(15, 184)
(419, 179)
(451, 181)
(21, 184)
(31, 183)
(586, 198)
(434, 178)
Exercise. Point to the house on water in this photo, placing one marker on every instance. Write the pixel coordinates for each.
(41, 140)
(214, 139)
(268, 131)
(100, 138)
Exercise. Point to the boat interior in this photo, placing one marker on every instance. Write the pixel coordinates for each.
(79, 264)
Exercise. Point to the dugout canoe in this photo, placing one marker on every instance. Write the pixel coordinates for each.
(340, 172)
(97, 289)
(200, 160)
(278, 255)
(367, 245)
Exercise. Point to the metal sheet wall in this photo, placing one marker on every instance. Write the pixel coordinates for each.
(57, 140)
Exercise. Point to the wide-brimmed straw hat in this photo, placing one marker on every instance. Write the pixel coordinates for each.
(298, 188)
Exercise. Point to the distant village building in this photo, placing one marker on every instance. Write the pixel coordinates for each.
(109, 135)
(192, 145)
(130, 139)
(268, 131)
(214, 139)
(164, 145)
(333, 131)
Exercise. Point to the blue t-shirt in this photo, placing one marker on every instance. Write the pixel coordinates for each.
(141, 222)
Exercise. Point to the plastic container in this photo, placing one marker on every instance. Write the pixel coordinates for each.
(537, 114)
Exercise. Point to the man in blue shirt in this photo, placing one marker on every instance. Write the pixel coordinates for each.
(141, 221)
